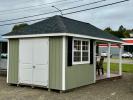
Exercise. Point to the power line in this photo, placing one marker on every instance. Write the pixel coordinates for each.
(71, 12)
(97, 7)
(35, 8)
(52, 11)
(30, 16)
(84, 5)
(24, 21)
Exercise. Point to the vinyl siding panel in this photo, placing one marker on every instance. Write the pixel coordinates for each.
(79, 75)
(13, 61)
(55, 63)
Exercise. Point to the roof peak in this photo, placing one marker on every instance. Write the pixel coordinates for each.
(62, 24)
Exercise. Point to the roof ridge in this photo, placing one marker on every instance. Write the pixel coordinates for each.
(61, 23)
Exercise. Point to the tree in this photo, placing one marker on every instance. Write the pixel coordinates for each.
(121, 32)
(108, 29)
(19, 27)
(121, 29)
(126, 34)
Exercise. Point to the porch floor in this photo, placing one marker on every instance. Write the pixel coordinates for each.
(104, 77)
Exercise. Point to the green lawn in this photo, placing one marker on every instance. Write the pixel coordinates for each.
(125, 67)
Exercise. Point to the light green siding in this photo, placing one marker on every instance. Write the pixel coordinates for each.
(78, 75)
(13, 61)
(55, 63)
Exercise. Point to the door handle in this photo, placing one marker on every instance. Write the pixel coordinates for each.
(34, 66)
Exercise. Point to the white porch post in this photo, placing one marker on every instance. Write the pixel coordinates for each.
(108, 61)
(120, 60)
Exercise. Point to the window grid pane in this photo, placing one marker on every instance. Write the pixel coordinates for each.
(81, 51)
(77, 45)
(85, 56)
(85, 48)
(84, 45)
(77, 56)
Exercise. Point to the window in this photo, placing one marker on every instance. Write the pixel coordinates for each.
(81, 51)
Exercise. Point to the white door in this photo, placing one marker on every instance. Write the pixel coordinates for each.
(25, 61)
(40, 62)
(34, 58)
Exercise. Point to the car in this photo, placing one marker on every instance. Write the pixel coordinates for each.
(105, 54)
(127, 55)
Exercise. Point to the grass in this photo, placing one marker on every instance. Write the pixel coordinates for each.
(115, 67)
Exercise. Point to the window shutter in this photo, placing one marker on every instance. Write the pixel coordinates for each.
(69, 49)
(91, 51)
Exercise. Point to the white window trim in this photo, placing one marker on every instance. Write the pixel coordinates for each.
(81, 62)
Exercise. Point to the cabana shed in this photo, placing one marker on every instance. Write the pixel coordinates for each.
(56, 53)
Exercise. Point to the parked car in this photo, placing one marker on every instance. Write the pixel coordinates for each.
(105, 54)
(127, 55)
(4, 55)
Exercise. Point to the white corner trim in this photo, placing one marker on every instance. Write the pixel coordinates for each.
(94, 60)
(63, 62)
(7, 61)
(48, 86)
(62, 34)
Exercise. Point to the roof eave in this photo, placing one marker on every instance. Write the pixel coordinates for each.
(62, 34)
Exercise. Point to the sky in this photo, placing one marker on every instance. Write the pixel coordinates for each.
(111, 16)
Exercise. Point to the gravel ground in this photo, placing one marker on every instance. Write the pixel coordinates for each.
(121, 89)
(3, 63)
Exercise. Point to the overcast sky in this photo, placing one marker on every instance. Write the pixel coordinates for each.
(113, 16)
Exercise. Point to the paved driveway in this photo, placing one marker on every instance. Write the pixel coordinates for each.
(121, 89)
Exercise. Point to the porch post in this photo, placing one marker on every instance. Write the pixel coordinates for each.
(120, 59)
(108, 61)
(0, 49)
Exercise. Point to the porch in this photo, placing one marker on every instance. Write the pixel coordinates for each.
(104, 77)
(108, 74)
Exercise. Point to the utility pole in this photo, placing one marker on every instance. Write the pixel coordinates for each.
(58, 10)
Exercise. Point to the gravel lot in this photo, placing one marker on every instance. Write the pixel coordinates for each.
(121, 89)
(3, 64)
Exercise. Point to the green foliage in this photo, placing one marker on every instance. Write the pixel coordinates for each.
(19, 27)
(115, 67)
(121, 32)
(121, 29)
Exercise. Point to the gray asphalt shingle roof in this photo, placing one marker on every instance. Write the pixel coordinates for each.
(59, 24)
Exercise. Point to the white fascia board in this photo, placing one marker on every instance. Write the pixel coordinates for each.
(96, 38)
(62, 34)
(127, 44)
(127, 38)
(34, 35)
